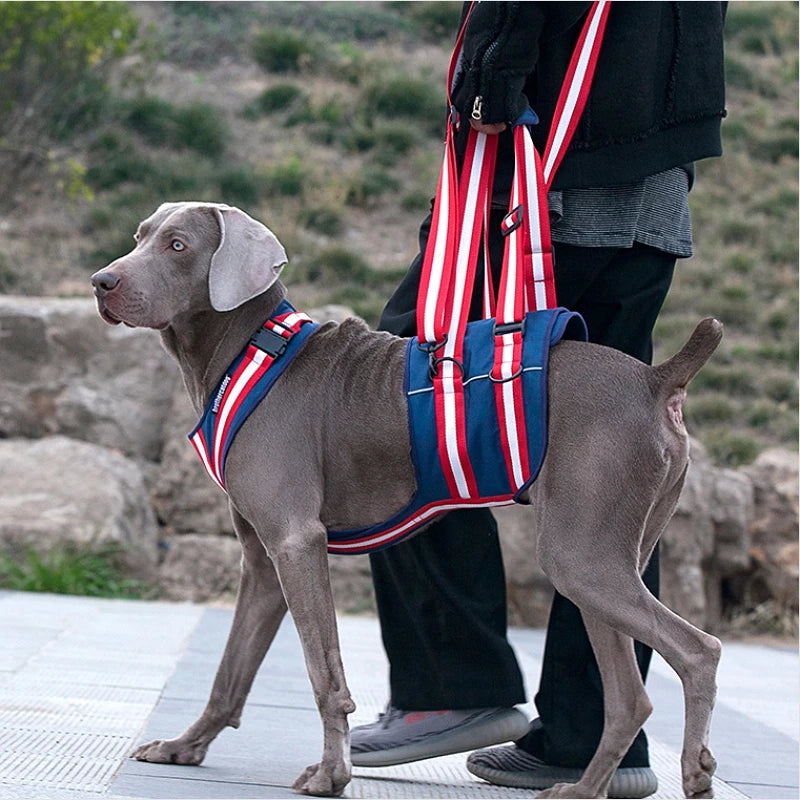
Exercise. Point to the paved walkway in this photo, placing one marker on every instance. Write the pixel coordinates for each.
(83, 680)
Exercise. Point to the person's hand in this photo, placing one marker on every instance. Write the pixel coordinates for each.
(492, 130)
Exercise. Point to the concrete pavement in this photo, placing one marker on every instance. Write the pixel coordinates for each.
(84, 680)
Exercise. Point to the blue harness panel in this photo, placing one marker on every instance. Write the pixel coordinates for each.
(542, 330)
(237, 396)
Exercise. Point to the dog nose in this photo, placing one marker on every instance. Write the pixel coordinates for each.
(104, 281)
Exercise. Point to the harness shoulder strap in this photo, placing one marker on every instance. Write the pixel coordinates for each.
(246, 382)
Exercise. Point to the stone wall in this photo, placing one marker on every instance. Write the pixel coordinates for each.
(93, 449)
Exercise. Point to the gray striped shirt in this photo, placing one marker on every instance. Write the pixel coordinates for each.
(654, 212)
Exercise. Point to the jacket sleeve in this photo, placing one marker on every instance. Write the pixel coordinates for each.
(501, 49)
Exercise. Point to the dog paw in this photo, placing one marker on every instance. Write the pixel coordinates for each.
(321, 780)
(170, 751)
(697, 778)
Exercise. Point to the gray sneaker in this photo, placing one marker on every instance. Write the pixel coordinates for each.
(399, 737)
(509, 765)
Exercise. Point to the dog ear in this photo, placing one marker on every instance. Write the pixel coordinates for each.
(247, 262)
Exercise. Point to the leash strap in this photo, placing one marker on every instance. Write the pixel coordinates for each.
(266, 346)
(460, 217)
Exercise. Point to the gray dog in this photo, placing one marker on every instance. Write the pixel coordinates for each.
(328, 448)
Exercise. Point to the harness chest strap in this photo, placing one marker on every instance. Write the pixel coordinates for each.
(247, 381)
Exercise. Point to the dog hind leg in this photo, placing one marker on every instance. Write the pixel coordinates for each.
(626, 707)
(625, 604)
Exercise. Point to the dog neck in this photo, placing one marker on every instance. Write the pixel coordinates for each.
(206, 343)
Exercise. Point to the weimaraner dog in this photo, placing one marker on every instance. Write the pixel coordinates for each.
(328, 448)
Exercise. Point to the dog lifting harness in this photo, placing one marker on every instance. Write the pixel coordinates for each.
(479, 389)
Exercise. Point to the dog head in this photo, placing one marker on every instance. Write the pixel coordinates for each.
(188, 257)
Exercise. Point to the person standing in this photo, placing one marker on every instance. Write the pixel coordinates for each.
(619, 221)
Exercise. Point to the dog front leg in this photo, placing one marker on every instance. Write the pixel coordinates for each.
(260, 607)
(302, 564)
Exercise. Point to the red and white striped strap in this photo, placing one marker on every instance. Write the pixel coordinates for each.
(575, 89)
(527, 283)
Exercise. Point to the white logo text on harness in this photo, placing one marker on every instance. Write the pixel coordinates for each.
(220, 393)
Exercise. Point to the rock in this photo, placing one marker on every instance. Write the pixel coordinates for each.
(706, 541)
(185, 498)
(200, 567)
(65, 371)
(351, 580)
(528, 590)
(773, 567)
(58, 490)
(330, 313)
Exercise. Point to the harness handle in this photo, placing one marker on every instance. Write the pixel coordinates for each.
(460, 216)
(462, 205)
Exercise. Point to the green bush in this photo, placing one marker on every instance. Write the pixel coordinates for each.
(731, 380)
(408, 97)
(337, 264)
(416, 200)
(239, 186)
(281, 50)
(369, 185)
(201, 128)
(197, 126)
(781, 389)
(433, 21)
(323, 219)
(287, 179)
(278, 98)
(731, 449)
(708, 408)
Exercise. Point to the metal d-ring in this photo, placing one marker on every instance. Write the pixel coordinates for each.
(506, 380)
(433, 363)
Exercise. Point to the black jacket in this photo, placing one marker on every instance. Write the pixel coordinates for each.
(658, 94)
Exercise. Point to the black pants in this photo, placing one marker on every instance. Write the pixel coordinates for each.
(441, 595)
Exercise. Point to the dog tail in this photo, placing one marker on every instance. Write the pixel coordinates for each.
(675, 373)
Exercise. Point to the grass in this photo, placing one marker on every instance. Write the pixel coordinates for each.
(65, 569)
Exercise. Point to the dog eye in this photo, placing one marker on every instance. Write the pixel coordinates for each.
(177, 245)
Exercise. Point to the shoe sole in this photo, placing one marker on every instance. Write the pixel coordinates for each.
(483, 733)
(628, 782)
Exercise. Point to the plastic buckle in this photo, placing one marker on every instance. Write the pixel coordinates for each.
(512, 220)
(509, 327)
(431, 348)
(455, 119)
(272, 343)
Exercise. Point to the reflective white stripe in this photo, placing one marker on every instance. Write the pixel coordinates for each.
(197, 443)
(230, 401)
(534, 217)
(574, 89)
(439, 250)
(462, 292)
(509, 408)
(540, 293)
(451, 429)
(429, 389)
(511, 433)
(438, 508)
(293, 319)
